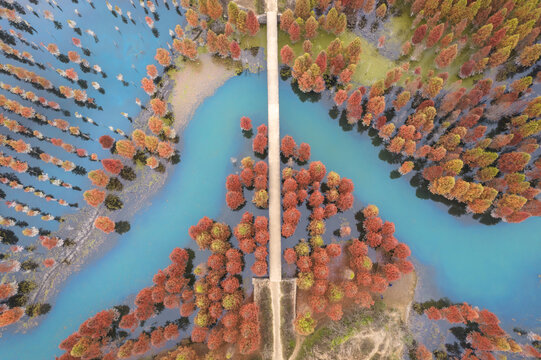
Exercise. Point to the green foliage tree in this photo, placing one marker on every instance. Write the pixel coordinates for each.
(127, 173)
(122, 227)
(113, 202)
(114, 185)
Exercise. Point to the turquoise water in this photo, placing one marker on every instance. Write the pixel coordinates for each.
(494, 267)
(195, 189)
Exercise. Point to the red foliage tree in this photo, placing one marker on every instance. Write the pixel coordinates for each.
(334, 311)
(245, 123)
(199, 334)
(106, 141)
(317, 171)
(112, 166)
(446, 56)
(290, 256)
(391, 271)
(104, 224)
(419, 34)
(260, 143)
(294, 32)
(287, 54)
(235, 50)
(402, 251)
(513, 161)
(259, 268)
(433, 313)
(252, 25)
(288, 146)
(234, 199)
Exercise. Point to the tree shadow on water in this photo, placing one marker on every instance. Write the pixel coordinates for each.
(389, 157)
(334, 112)
(394, 174)
(309, 96)
(343, 122)
(248, 134)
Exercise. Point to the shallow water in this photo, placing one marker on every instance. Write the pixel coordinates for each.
(127, 51)
(195, 189)
(494, 267)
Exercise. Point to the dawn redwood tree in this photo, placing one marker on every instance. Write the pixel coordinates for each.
(419, 34)
(513, 161)
(189, 49)
(481, 36)
(106, 141)
(294, 32)
(340, 97)
(125, 148)
(433, 87)
(104, 224)
(112, 166)
(252, 24)
(286, 19)
(310, 28)
(192, 18)
(500, 56)
(467, 69)
(163, 57)
(376, 105)
(446, 56)
(434, 35)
(214, 9)
(287, 54)
(302, 9)
(260, 143)
(288, 146)
(94, 197)
(529, 55)
(303, 152)
(159, 107)
(98, 178)
(307, 46)
(11, 316)
(235, 50)
(245, 123)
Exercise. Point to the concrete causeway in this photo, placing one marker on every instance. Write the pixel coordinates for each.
(275, 246)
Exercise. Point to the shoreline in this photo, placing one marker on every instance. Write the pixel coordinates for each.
(91, 243)
(401, 294)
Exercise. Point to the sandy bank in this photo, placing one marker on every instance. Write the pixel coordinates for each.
(194, 83)
(186, 89)
(400, 295)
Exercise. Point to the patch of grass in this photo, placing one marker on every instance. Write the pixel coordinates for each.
(399, 29)
(259, 6)
(333, 337)
(260, 40)
(312, 340)
(372, 67)
(265, 314)
(287, 310)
